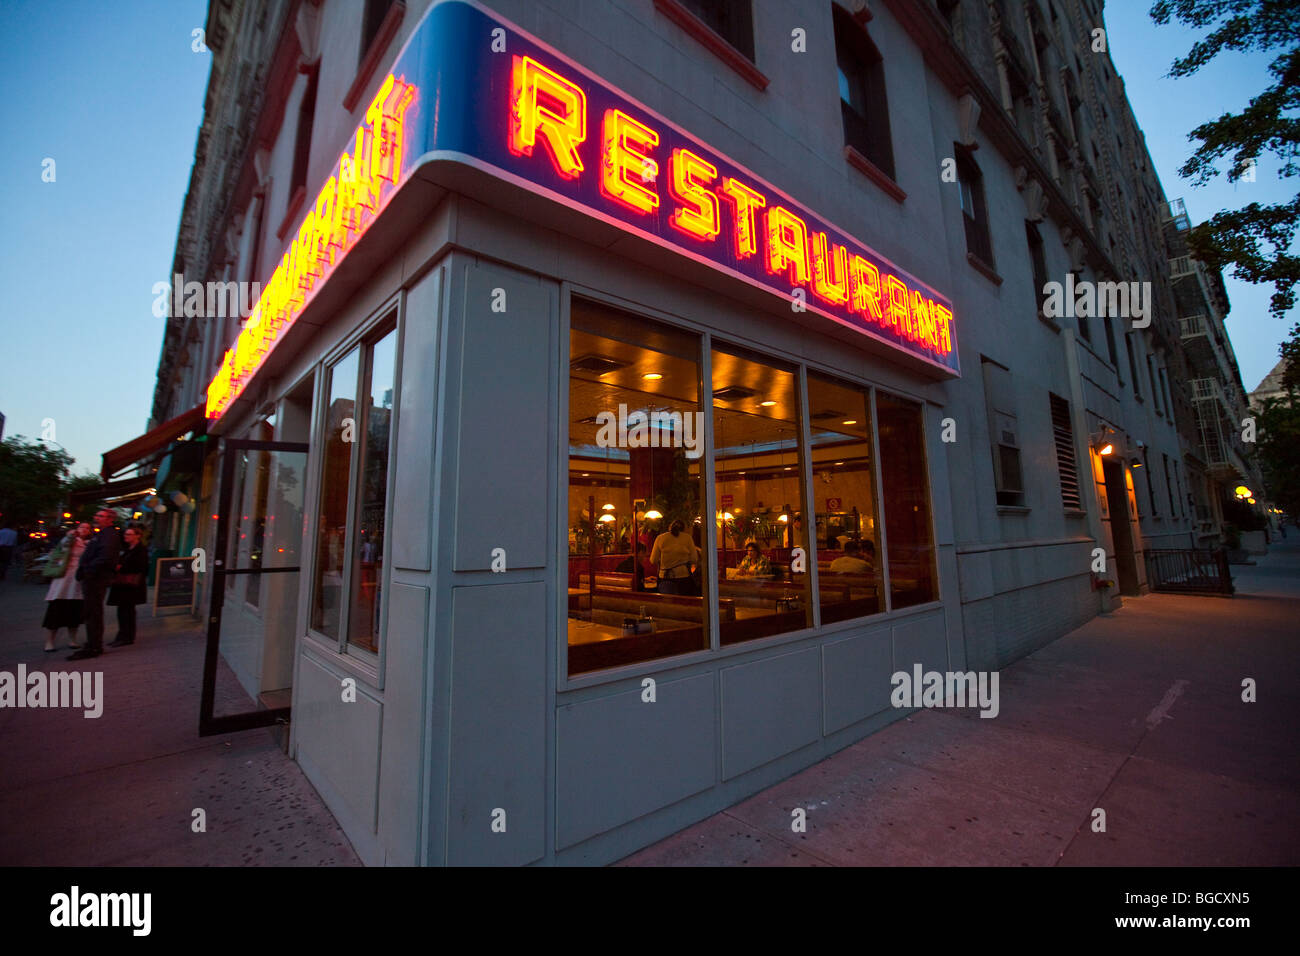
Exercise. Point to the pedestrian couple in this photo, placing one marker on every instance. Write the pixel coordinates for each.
(95, 565)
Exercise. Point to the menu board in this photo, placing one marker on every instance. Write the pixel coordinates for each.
(174, 583)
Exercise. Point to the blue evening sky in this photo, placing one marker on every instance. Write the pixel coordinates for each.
(113, 93)
(1167, 110)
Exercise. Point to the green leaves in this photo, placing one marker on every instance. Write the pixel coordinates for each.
(33, 477)
(1255, 240)
(1278, 452)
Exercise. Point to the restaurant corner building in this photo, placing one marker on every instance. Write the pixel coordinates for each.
(541, 280)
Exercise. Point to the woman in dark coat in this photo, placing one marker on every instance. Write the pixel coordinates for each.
(128, 587)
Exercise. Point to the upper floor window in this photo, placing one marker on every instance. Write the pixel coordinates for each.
(302, 142)
(1038, 257)
(724, 27)
(1169, 489)
(733, 20)
(1155, 387)
(1110, 344)
(380, 21)
(951, 11)
(974, 212)
(1085, 329)
(1132, 365)
(371, 21)
(864, 108)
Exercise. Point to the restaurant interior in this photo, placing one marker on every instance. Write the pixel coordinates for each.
(636, 590)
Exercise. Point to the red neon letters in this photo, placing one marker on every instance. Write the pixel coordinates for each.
(542, 101)
(747, 202)
(787, 245)
(690, 176)
(625, 165)
(830, 271)
(545, 104)
(344, 208)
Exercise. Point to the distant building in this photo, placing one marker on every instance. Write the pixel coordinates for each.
(1269, 387)
(1215, 453)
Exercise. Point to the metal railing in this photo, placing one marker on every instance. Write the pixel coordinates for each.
(1189, 571)
(1192, 325)
(1209, 389)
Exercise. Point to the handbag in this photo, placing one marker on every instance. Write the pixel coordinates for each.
(128, 579)
(57, 565)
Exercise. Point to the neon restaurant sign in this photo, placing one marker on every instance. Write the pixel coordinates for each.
(472, 89)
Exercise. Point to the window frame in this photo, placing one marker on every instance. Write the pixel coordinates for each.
(1151, 490)
(970, 178)
(708, 499)
(1038, 265)
(388, 318)
(1112, 351)
(304, 132)
(737, 348)
(1169, 488)
(868, 391)
(1133, 368)
(716, 43)
(1155, 387)
(853, 42)
(368, 57)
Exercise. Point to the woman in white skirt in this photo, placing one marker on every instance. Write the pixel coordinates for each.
(64, 602)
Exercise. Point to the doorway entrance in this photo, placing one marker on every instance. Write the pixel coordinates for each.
(1121, 528)
(255, 572)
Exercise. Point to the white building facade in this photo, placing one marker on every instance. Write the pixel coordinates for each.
(493, 223)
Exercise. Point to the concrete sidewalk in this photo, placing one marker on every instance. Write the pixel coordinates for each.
(121, 789)
(1138, 713)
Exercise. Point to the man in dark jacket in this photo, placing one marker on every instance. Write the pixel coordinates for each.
(95, 572)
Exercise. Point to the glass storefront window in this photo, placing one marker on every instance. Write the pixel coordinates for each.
(349, 571)
(372, 500)
(331, 534)
(635, 448)
(850, 576)
(762, 538)
(905, 490)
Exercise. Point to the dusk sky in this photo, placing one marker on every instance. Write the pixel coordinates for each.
(113, 93)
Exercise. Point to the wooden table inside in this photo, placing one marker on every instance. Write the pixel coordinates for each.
(585, 632)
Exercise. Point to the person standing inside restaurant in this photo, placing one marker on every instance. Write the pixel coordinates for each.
(128, 588)
(64, 601)
(673, 554)
(95, 573)
(857, 558)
